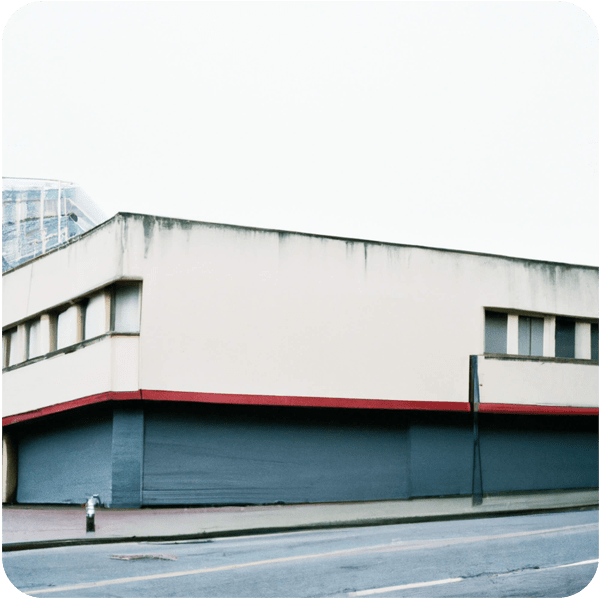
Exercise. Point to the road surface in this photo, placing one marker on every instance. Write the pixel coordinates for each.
(544, 555)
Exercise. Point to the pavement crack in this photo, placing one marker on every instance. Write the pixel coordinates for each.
(524, 569)
(143, 556)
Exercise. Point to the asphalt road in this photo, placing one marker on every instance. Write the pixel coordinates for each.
(547, 555)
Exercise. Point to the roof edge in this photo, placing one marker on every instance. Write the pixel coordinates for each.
(125, 215)
(359, 240)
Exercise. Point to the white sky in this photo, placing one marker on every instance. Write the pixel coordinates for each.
(457, 125)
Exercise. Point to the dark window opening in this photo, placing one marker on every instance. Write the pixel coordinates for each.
(565, 338)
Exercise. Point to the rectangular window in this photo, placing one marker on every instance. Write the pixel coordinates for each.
(11, 347)
(531, 336)
(565, 338)
(495, 332)
(126, 311)
(8, 348)
(5, 349)
(594, 340)
(95, 317)
(66, 328)
(34, 345)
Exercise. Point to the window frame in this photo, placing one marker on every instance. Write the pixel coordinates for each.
(547, 330)
(29, 326)
(80, 305)
(7, 342)
(115, 288)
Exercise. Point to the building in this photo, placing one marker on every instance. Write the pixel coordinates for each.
(39, 214)
(157, 361)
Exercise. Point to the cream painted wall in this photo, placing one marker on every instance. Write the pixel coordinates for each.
(111, 364)
(235, 310)
(124, 363)
(537, 382)
(59, 379)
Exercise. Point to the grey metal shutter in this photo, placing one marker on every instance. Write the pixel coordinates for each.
(207, 454)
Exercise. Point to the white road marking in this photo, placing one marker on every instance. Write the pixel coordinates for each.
(583, 562)
(396, 547)
(406, 586)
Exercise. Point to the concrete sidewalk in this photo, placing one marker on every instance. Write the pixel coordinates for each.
(32, 526)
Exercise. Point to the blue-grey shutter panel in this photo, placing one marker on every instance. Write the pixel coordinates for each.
(495, 332)
(531, 336)
(537, 336)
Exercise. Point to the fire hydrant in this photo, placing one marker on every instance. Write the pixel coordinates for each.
(90, 513)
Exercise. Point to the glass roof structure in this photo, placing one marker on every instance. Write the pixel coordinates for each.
(40, 214)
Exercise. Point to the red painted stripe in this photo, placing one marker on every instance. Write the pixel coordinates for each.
(532, 409)
(261, 400)
(251, 399)
(85, 401)
(247, 399)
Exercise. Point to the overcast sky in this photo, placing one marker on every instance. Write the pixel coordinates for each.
(457, 125)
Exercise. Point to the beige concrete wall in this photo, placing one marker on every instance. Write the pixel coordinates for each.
(257, 312)
(107, 365)
(537, 382)
(125, 363)
(236, 310)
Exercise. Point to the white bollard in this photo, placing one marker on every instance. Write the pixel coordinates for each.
(90, 513)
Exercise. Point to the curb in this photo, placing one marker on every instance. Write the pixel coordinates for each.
(209, 535)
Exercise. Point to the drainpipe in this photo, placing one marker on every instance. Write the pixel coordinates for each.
(477, 489)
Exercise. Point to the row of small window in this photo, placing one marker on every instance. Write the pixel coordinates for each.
(114, 309)
(572, 338)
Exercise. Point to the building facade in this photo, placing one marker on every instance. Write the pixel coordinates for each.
(39, 214)
(158, 361)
